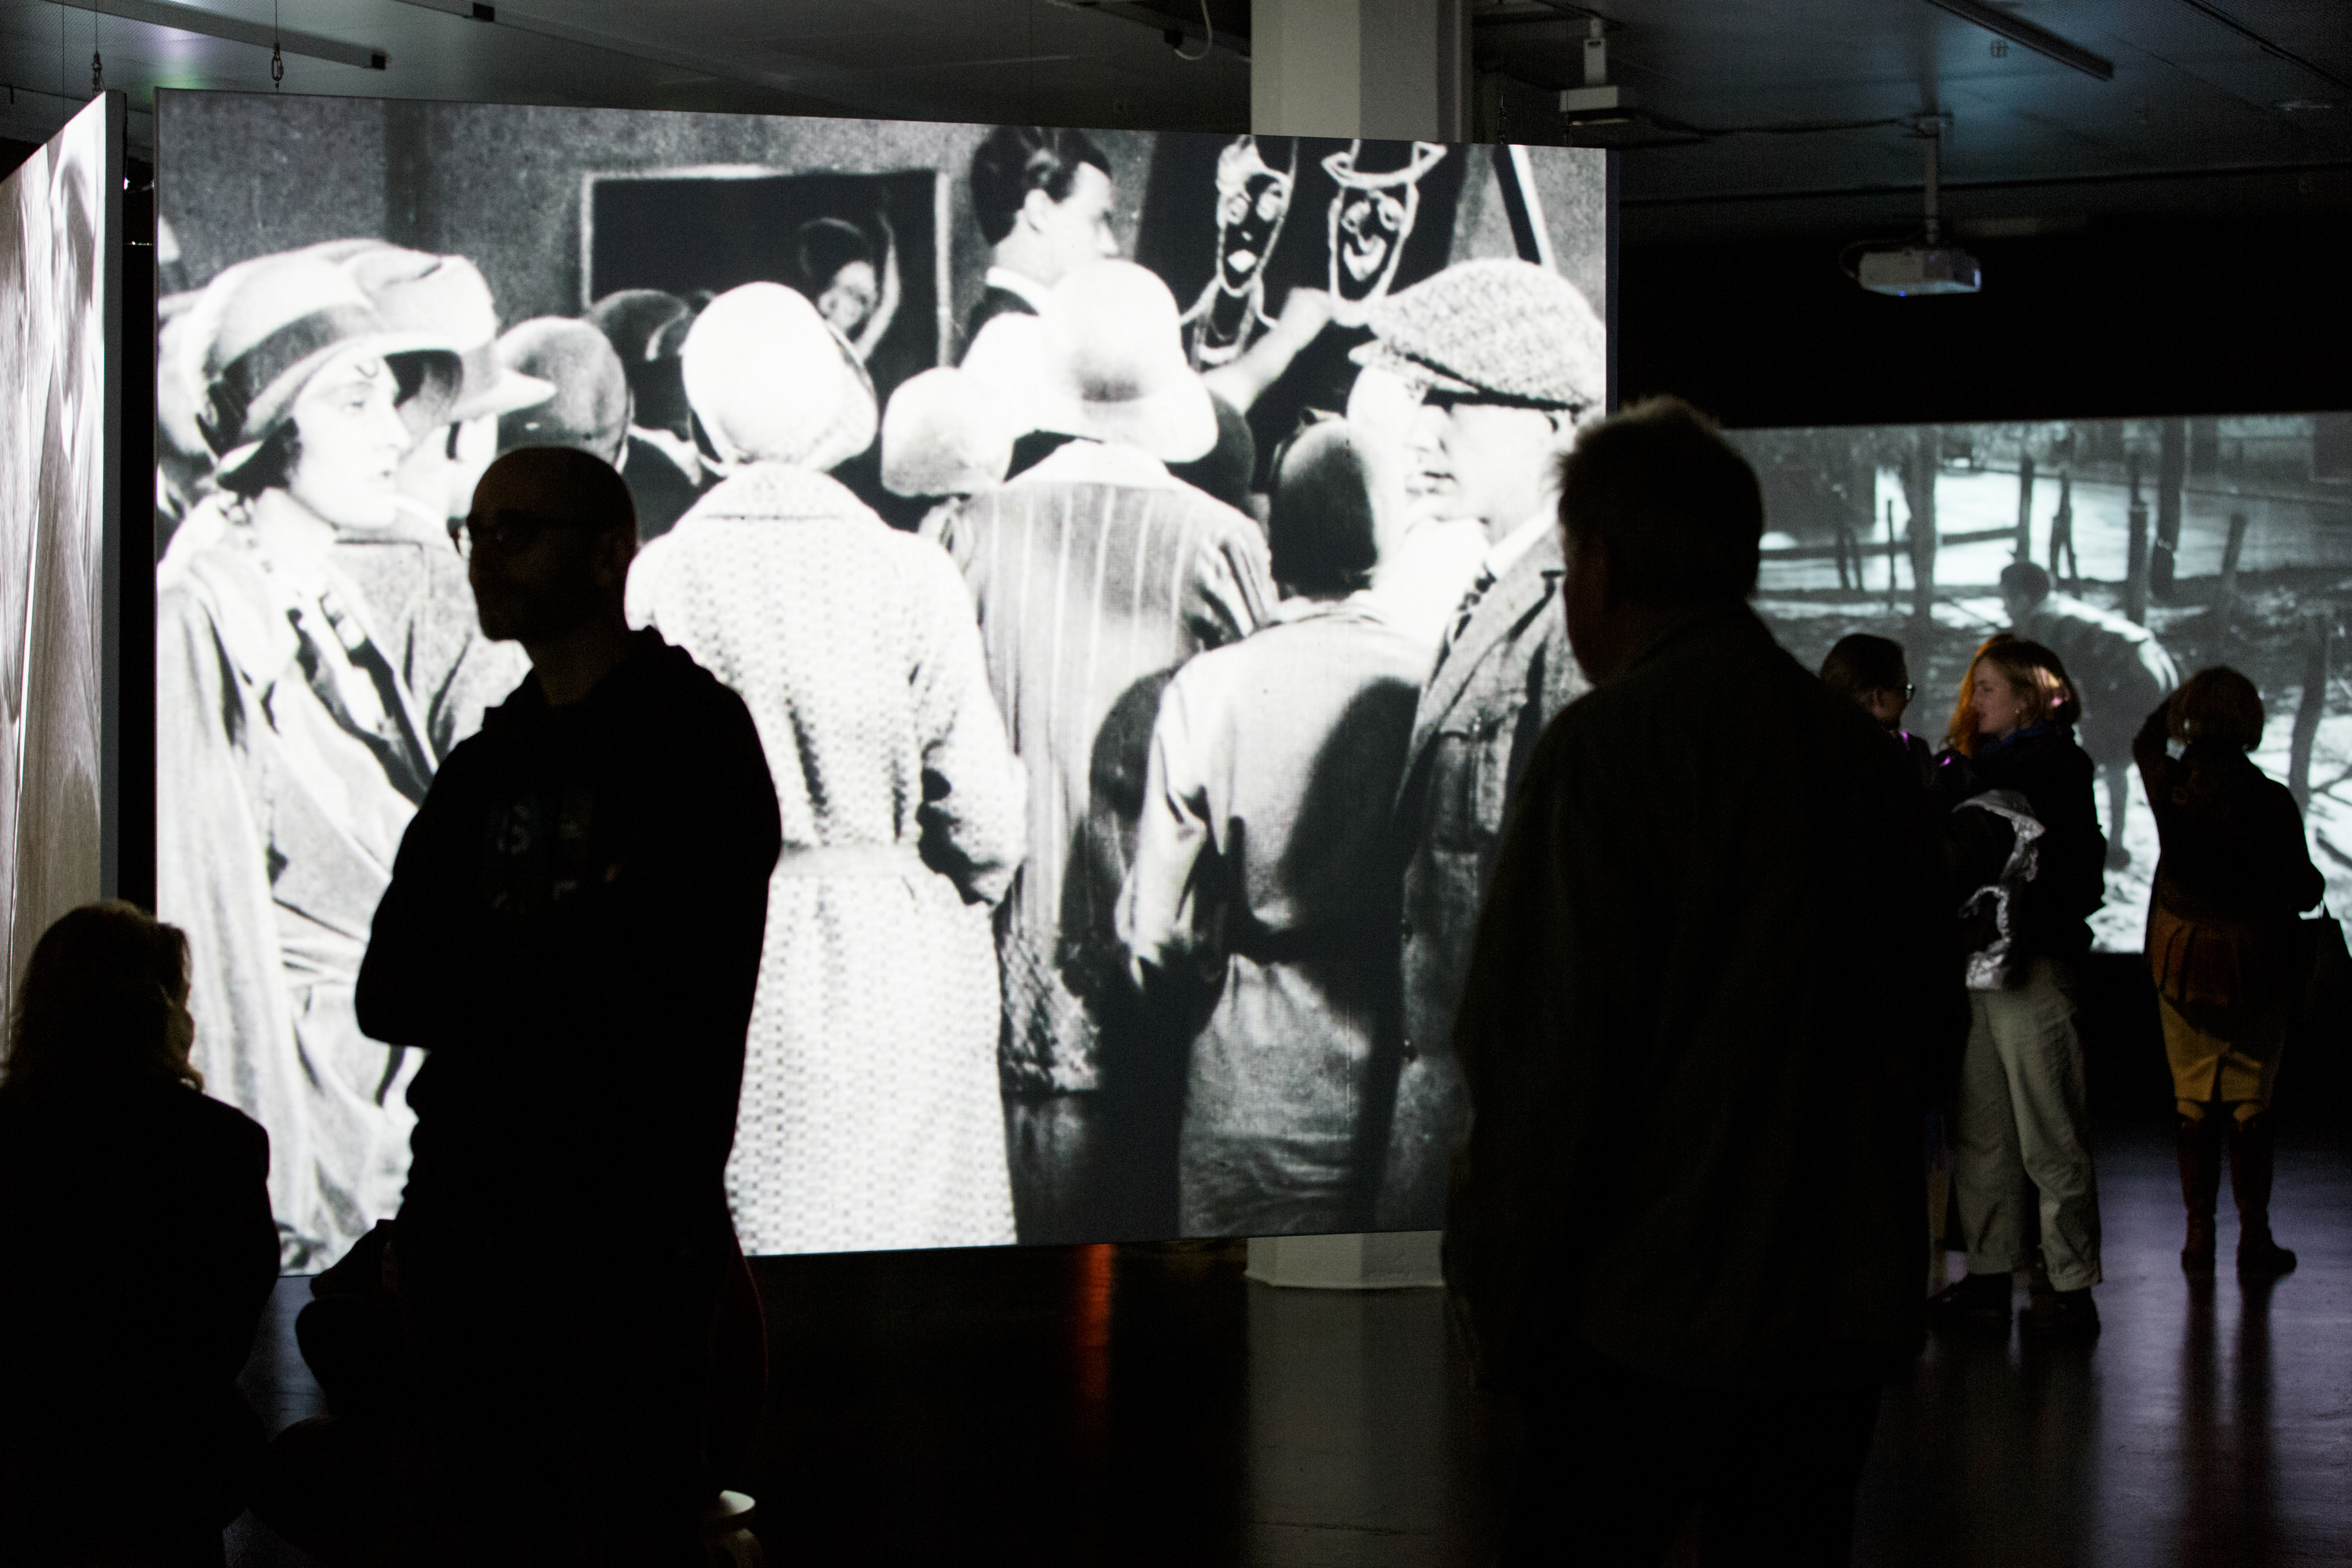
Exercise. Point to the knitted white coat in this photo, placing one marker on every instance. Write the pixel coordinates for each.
(871, 1116)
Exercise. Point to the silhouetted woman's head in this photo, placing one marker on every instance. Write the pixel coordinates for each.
(2217, 706)
(2011, 685)
(103, 1005)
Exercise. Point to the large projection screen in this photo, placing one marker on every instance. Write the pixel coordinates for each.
(1082, 1061)
(2166, 546)
(61, 217)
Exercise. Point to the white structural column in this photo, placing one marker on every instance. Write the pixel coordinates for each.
(1392, 69)
(1397, 69)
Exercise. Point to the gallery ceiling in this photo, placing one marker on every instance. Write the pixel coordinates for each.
(2197, 108)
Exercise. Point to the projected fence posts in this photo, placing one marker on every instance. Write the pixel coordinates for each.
(1927, 457)
(2309, 709)
(2136, 548)
(2025, 507)
(2171, 479)
(2225, 596)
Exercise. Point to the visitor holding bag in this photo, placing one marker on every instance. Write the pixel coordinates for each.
(2232, 960)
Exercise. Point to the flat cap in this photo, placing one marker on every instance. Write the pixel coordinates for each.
(1505, 331)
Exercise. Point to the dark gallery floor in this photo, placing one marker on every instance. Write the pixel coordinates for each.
(1148, 1405)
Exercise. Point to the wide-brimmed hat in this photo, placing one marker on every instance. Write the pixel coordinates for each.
(1497, 330)
(269, 324)
(590, 409)
(447, 297)
(1114, 367)
(944, 435)
(770, 381)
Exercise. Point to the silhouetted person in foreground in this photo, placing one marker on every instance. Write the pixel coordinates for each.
(121, 1435)
(573, 936)
(1685, 1224)
(1874, 673)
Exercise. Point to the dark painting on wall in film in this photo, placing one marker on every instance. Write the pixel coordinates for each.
(1005, 471)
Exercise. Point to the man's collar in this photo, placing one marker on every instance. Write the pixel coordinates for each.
(1505, 552)
(1083, 461)
(1020, 285)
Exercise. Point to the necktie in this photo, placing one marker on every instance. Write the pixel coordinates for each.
(1469, 608)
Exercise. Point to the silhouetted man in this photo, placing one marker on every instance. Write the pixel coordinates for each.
(1685, 1224)
(573, 936)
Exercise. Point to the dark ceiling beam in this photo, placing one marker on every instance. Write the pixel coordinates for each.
(213, 25)
(2032, 36)
(2277, 51)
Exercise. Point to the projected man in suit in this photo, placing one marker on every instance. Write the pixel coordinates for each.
(1094, 573)
(1043, 198)
(1509, 353)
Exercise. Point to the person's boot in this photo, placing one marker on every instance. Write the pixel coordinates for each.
(2197, 1141)
(2252, 1151)
(1972, 1301)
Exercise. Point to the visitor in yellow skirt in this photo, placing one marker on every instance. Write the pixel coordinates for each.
(2223, 944)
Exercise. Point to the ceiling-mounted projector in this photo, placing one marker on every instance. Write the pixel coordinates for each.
(1929, 266)
(1916, 269)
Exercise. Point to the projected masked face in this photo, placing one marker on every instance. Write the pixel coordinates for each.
(1371, 218)
(849, 301)
(350, 441)
(1253, 199)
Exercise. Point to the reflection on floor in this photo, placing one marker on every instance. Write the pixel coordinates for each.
(1147, 1404)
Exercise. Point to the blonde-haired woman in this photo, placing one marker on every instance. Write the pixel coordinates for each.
(2234, 872)
(134, 1219)
(870, 1114)
(2020, 1124)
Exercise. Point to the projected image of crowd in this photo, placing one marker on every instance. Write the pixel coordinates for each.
(1142, 690)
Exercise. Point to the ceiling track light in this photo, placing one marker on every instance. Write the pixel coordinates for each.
(230, 30)
(2031, 35)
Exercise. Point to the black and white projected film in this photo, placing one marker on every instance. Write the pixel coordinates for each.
(1212, 467)
(2163, 546)
(57, 261)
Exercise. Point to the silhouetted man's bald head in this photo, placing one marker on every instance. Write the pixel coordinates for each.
(553, 530)
(558, 484)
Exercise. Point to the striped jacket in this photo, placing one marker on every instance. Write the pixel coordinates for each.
(1096, 574)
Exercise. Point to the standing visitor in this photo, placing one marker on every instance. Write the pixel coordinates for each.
(570, 939)
(2223, 945)
(2022, 1124)
(1684, 1226)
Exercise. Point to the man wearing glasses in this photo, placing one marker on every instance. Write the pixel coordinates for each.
(572, 937)
(1874, 673)
(1507, 355)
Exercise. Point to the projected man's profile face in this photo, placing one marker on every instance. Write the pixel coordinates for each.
(350, 438)
(1484, 460)
(1248, 220)
(848, 302)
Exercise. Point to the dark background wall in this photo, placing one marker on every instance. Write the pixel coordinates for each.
(2121, 317)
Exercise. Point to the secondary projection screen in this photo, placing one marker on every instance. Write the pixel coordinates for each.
(59, 309)
(2164, 546)
(1163, 971)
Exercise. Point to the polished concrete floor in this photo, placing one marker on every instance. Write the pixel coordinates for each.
(1148, 1405)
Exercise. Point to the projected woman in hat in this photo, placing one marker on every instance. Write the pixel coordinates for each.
(290, 750)
(870, 1115)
